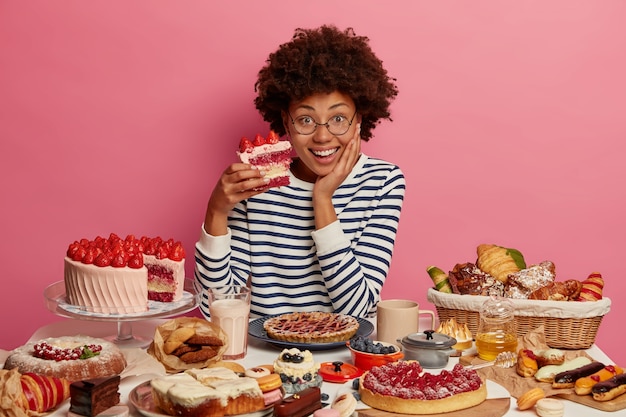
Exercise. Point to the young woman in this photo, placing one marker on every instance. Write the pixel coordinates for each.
(324, 242)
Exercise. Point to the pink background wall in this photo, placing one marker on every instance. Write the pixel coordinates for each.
(118, 116)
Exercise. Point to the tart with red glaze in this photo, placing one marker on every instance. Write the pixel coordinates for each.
(311, 327)
(402, 387)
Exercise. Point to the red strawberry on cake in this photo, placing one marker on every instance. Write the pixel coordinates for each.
(268, 154)
(118, 276)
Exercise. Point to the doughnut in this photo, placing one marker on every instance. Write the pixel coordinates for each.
(269, 382)
(345, 404)
(530, 398)
(268, 367)
(549, 407)
(257, 372)
(550, 357)
(568, 378)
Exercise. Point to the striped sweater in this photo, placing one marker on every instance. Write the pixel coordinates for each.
(272, 238)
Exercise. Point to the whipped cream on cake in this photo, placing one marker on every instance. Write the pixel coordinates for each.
(269, 155)
(297, 370)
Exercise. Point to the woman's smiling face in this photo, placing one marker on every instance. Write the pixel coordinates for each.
(320, 150)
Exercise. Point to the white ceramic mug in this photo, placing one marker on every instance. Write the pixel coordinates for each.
(398, 318)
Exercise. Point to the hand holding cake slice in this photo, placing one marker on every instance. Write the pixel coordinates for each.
(271, 155)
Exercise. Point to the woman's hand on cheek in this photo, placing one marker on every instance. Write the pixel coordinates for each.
(329, 183)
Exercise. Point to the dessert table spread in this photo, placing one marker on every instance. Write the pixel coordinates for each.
(260, 352)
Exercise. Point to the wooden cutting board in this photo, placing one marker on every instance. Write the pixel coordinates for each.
(615, 404)
(496, 407)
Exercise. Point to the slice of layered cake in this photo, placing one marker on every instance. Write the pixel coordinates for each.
(166, 270)
(270, 154)
(93, 396)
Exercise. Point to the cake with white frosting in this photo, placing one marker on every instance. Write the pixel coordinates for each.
(211, 392)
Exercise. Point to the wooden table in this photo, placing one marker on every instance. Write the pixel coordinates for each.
(263, 353)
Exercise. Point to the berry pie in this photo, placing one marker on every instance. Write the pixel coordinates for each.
(311, 327)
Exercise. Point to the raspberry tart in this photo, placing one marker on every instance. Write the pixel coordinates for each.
(118, 276)
(311, 327)
(402, 387)
(74, 358)
(269, 154)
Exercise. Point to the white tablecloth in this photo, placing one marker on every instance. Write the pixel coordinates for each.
(260, 353)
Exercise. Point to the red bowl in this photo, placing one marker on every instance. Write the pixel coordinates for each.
(365, 361)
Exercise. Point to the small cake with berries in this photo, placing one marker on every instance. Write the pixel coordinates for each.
(271, 155)
(118, 276)
(74, 358)
(297, 370)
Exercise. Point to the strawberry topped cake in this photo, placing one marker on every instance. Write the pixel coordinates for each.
(118, 276)
(269, 154)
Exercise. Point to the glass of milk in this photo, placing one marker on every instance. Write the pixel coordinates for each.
(229, 307)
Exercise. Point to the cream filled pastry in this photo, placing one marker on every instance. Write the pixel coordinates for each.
(297, 370)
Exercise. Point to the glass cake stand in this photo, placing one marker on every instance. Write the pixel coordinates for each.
(57, 303)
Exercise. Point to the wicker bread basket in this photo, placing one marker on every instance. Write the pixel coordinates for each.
(567, 324)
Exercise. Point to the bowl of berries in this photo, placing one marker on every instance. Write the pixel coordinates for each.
(368, 353)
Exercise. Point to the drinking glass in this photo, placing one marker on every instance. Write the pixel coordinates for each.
(229, 307)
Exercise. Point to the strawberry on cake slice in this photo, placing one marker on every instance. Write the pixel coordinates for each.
(269, 154)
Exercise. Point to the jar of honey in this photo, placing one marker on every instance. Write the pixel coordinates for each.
(496, 331)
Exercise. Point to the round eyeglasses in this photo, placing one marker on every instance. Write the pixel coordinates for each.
(337, 125)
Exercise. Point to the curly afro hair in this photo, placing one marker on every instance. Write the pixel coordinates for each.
(325, 60)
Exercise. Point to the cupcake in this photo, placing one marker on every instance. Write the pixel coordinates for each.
(297, 369)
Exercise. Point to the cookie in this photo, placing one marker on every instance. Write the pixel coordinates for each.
(177, 338)
(549, 407)
(200, 355)
(184, 348)
(530, 398)
(198, 339)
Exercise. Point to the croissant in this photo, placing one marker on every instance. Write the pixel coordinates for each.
(558, 291)
(30, 394)
(499, 262)
(592, 288)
